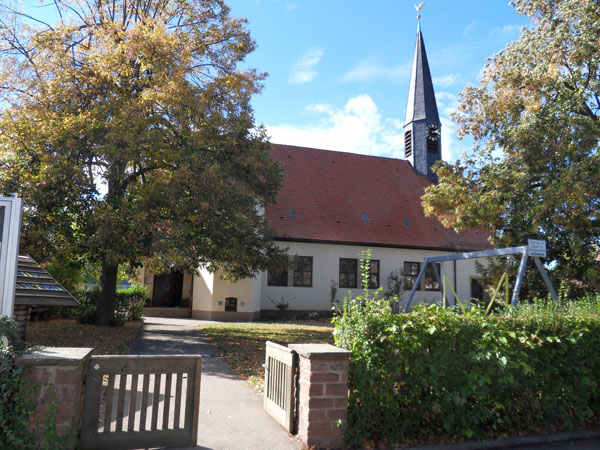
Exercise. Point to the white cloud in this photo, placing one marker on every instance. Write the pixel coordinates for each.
(452, 147)
(506, 32)
(357, 128)
(445, 96)
(291, 6)
(468, 29)
(303, 70)
(371, 69)
(446, 80)
(446, 102)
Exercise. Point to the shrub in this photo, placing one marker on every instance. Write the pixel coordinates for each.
(129, 305)
(131, 301)
(437, 373)
(14, 419)
(86, 311)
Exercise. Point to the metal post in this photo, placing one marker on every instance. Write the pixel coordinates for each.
(443, 286)
(546, 279)
(414, 288)
(519, 281)
(437, 275)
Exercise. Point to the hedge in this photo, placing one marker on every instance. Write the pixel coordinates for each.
(129, 305)
(437, 374)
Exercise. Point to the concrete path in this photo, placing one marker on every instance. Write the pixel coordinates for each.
(231, 411)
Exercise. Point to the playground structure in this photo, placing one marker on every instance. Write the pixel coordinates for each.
(533, 249)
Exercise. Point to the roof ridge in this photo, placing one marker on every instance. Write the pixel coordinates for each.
(343, 152)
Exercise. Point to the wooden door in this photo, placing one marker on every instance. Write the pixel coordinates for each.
(167, 289)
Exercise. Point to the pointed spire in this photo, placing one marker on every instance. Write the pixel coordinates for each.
(421, 103)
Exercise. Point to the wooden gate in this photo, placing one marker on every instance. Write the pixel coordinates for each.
(141, 402)
(281, 371)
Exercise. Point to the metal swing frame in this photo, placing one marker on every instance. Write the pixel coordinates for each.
(523, 251)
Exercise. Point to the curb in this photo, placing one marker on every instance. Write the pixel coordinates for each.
(511, 442)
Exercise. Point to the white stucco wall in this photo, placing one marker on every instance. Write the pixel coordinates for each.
(203, 290)
(210, 292)
(254, 294)
(326, 268)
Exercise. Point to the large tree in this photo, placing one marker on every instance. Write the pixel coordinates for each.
(126, 128)
(534, 171)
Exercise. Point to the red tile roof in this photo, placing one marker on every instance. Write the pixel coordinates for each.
(339, 197)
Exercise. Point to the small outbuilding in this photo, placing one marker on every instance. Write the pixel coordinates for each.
(35, 287)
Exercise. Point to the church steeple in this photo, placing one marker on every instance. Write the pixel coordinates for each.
(422, 140)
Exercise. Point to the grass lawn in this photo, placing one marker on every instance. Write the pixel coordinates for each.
(69, 333)
(243, 344)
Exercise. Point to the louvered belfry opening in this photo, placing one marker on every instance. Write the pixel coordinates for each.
(433, 146)
(407, 144)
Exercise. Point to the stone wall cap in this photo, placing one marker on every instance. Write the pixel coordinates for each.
(320, 351)
(56, 356)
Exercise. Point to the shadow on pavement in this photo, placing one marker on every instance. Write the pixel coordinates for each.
(181, 340)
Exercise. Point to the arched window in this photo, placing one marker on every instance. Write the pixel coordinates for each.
(231, 304)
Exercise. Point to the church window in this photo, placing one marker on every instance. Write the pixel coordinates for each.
(303, 271)
(411, 272)
(278, 275)
(348, 270)
(231, 304)
(431, 282)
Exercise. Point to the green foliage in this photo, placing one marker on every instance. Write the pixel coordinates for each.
(17, 400)
(437, 373)
(534, 171)
(395, 287)
(129, 305)
(14, 419)
(131, 302)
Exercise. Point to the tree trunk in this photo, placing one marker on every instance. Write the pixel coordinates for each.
(108, 292)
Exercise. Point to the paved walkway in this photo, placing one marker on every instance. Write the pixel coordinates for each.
(231, 411)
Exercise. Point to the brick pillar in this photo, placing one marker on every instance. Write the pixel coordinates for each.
(59, 373)
(323, 394)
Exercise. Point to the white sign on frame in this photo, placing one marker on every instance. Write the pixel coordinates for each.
(10, 233)
(537, 248)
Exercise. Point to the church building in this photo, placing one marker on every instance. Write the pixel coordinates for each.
(334, 205)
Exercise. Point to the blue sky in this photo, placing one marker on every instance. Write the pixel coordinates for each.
(339, 69)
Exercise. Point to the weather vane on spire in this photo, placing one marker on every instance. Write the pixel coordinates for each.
(418, 8)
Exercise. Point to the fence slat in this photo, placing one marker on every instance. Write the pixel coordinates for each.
(193, 420)
(132, 402)
(121, 404)
(144, 406)
(167, 407)
(108, 402)
(155, 401)
(178, 383)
